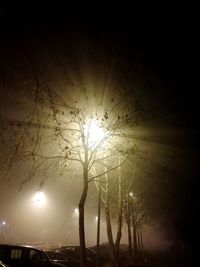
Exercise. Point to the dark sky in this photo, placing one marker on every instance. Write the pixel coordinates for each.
(162, 42)
(162, 39)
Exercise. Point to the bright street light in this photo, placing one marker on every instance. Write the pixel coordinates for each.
(39, 198)
(94, 132)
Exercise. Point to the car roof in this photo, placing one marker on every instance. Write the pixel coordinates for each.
(18, 246)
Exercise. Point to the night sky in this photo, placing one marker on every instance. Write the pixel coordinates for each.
(157, 51)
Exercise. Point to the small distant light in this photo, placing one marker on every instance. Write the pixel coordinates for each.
(3, 223)
(76, 212)
(131, 194)
(96, 218)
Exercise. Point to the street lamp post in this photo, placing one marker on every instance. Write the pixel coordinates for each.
(135, 245)
(92, 136)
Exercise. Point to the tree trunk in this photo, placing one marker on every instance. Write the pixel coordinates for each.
(82, 219)
(140, 237)
(119, 225)
(109, 228)
(135, 247)
(128, 220)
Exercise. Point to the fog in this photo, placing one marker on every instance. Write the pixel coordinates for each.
(153, 73)
(55, 221)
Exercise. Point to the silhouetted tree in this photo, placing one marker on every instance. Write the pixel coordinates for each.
(54, 131)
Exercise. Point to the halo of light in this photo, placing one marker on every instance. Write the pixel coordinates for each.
(95, 133)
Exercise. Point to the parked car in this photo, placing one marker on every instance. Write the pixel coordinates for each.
(25, 256)
(2, 264)
(91, 253)
(73, 254)
(40, 245)
(58, 257)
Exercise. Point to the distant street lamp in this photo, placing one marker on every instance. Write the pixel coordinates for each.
(131, 194)
(76, 212)
(2, 227)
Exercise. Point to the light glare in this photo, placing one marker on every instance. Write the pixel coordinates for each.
(39, 198)
(76, 212)
(95, 133)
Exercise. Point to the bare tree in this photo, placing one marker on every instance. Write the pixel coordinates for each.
(73, 127)
(115, 188)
